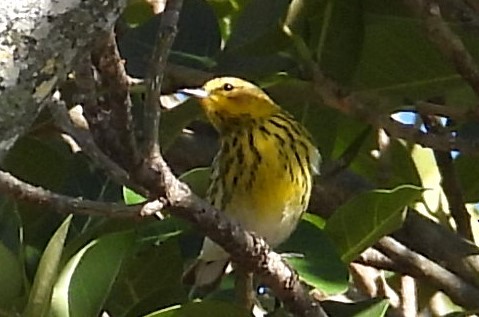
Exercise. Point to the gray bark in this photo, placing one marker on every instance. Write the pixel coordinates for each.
(39, 42)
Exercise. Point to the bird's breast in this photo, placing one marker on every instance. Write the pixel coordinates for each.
(262, 178)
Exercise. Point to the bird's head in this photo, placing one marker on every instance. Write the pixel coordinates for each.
(231, 101)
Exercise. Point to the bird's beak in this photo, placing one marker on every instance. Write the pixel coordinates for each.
(194, 92)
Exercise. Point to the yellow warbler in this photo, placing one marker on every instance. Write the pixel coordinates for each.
(262, 174)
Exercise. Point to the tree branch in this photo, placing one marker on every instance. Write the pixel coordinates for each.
(449, 182)
(335, 96)
(164, 42)
(408, 297)
(460, 291)
(17, 189)
(441, 246)
(448, 43)
(374, 258)
(111, 122)
(394, 256)
(418, 233)
(371, 282)
(455, 112)
(466, 12)
(452, 189)
(85, 140)
(473, 4)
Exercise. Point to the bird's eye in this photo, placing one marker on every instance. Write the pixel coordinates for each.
(227, 87)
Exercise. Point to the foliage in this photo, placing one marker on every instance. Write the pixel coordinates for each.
(58, 265)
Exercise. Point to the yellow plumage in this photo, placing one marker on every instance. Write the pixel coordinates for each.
(262, 175)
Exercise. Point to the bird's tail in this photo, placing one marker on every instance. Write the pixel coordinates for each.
(205, 276)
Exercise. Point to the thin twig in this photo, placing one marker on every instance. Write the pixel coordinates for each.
(374, 258)
(164, 42)
(108, 134)
(408, 297)
(244, 290)
(116, 102)
(411, 133)
(450, 182)
(455, 113)
(473, 4)
(448, 43)
(465, 13)
(97, 114)
(335, 96)
(17, 189)
(453, 191)
(441, 245)
(85, 140)
(459, 290)
(85, 93)
(370, 281)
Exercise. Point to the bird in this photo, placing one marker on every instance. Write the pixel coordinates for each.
(262, 175)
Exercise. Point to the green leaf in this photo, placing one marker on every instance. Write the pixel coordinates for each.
(394, 168)
(150, 279)
(369, 308)
(38, 162)
(432, 198)
(10, 275)
(256, 41)
(198, 179)
(132, 198)
(258, 25)
(208, 308)
(296, 97)
(47, 273)
(319, 263)
(12, 259)
(364, 219)
(315, 220)
(41, 162)
(85, 180)
(10, 225)
(198, 39)
(157, 232)
(227, 12)
(338, 32)
(137, 12)
(347, 131)
(398, 61)
(467, 170)
(173, 121)
(86, 280)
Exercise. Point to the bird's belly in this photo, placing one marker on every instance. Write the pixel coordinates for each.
(271, 207)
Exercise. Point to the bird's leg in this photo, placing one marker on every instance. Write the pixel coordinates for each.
(244, 291)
